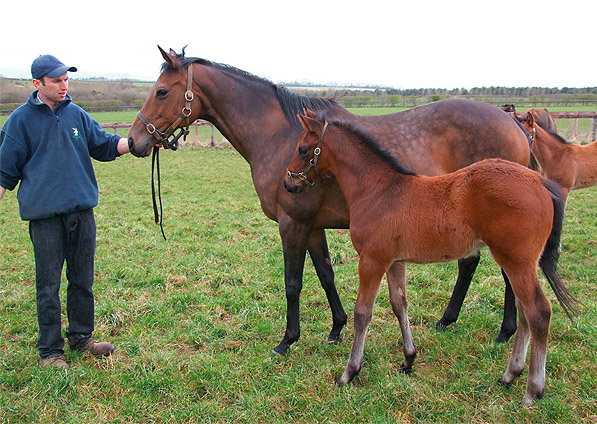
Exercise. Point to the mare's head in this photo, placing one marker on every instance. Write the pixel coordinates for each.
(508, 108)
(170, 105)
(540, 117)
(306, 163)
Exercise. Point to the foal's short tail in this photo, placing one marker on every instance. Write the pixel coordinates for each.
(551, 253)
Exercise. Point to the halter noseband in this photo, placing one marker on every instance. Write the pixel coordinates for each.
(312, 163)
(185, 114)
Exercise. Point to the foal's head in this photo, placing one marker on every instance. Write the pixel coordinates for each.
(305, 165)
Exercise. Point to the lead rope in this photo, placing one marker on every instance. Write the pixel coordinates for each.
(155, 160)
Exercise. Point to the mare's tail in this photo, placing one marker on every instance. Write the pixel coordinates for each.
(551, 253)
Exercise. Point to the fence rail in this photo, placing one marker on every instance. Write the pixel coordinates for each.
(576, 116)
(198, 123)
(556, 115)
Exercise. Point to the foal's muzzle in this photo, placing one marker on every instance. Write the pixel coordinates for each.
(292, 187)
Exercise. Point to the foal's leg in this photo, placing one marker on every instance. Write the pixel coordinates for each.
(397, 288)
(318, 250)
(534, 313)
(370, 274)
(466, 270)
(519, 350)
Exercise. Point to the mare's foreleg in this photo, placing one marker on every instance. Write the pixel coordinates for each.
(370, 274)
(294, 245)
(397, 288)
(318, 250)
(466, 270)
(509, 321)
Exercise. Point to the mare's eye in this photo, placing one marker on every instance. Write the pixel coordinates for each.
(303, 150)
(161, 93)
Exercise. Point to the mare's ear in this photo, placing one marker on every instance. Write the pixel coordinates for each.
(170, 58)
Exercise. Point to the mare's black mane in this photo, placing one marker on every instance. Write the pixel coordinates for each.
(367, 139)
(291, 103)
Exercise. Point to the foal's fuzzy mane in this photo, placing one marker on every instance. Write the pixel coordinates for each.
(366, 139)
(558, 137)
(291, 103)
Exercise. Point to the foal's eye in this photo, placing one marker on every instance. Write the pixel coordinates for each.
(161, 93)
(303, 150)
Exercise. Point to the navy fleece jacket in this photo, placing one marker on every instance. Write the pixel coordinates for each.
(50, 153)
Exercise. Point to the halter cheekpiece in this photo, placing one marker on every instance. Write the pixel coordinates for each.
(312, 163)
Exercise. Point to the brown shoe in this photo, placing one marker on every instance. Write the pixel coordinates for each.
(97, 348)
(56, 361)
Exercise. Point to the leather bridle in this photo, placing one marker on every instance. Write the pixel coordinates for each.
(164, 137)
(312, 163)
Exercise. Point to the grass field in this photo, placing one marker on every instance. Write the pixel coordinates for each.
(195, 318)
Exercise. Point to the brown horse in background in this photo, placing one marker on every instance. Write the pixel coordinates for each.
(259, 119)
(571, 165)
(397, 217)
(541, 118)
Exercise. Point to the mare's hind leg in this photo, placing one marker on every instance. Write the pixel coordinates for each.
(370, 274)
(466, 270)
(509, 322)
(318, 250)
(397, 288)
(534, 314)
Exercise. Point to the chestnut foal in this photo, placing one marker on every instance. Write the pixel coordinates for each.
(398, 217)
(572, 166)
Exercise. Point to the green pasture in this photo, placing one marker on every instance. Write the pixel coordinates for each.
(195, 318)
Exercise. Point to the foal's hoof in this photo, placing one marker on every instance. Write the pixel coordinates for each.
(405, 369)
(506, 384)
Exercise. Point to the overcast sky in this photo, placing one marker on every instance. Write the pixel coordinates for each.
(418, 44)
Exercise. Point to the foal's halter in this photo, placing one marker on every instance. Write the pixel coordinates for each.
(312, 163)
(185, 114)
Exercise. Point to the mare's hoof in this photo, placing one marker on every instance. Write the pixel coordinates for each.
(441, 325)
(503, 336)
(280, 350)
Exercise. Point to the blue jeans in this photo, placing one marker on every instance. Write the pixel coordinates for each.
(68, 237)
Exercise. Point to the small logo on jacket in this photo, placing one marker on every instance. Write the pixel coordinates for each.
(76, 135)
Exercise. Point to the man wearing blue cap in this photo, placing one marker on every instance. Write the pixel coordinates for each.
(47, 145)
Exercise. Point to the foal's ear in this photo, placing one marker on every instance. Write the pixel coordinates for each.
(311, 124)
(309, 112)
(530, 118)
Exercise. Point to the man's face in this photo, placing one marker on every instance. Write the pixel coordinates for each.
(52, 90)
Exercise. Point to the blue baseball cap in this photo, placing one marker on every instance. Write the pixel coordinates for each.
(48, 66)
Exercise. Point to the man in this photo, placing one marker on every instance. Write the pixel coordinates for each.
(47, 145)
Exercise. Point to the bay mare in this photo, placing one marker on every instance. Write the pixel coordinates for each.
(259, 119)
(398, 217)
